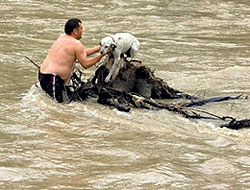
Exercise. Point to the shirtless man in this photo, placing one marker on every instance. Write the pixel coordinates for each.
(58, 66)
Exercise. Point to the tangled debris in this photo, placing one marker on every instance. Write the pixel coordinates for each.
(135, 85)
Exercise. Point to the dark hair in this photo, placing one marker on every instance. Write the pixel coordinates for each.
(71, 24)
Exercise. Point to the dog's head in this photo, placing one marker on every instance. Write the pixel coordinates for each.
(108, 45)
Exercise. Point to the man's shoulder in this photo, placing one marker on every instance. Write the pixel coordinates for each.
(69, 42)
(68, 38)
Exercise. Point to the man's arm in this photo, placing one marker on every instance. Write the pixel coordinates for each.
(92, 50)
(81, 55)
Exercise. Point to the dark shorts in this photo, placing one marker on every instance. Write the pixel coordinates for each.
(54, 85)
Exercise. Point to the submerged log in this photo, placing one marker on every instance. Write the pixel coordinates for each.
(135, 85)
(139, 79)
(234, 124)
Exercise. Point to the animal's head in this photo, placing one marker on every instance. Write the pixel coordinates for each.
(108, 45)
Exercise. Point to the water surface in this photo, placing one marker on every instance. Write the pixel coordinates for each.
(200, 47)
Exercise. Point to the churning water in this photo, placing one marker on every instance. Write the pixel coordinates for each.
(201, 47)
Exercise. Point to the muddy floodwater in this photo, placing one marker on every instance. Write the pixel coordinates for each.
(201, 47)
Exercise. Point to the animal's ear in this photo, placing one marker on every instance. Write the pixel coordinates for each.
(113, 46)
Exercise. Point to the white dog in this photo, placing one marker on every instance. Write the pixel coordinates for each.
(119, 44)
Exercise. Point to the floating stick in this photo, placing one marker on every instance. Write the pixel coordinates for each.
(32, 62)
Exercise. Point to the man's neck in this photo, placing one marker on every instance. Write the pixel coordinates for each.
(71, 36)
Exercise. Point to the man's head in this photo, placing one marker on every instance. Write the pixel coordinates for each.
(73, 27)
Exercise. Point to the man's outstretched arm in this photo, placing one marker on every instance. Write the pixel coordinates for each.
(90, 51)
(81, 55)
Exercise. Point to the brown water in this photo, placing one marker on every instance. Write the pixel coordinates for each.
(201, 47)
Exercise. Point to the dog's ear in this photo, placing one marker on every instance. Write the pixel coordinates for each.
(113, 46)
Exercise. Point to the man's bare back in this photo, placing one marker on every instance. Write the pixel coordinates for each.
(61, 57)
